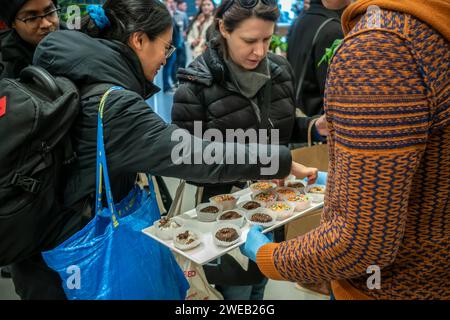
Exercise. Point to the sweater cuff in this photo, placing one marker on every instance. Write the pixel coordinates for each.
(266, 263)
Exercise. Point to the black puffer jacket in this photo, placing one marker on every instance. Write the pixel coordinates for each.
(207, 94)
(136, 139)
(310, 99)
(15, 54)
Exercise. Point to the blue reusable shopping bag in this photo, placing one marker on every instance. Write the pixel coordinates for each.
(111, 258)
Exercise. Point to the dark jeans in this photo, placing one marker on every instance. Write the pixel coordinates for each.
(34, 280)
(168, 70)
(179, 63)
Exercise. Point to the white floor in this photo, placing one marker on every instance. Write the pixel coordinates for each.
(275, 290)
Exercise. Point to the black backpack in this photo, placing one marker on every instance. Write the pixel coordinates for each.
(36, 113)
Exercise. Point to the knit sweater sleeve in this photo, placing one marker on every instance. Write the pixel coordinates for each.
(379, 118)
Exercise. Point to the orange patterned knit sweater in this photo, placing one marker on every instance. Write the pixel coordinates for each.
(387, 204)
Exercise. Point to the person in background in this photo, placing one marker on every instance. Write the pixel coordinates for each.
(29, 21)
(169, 80)
(23, 24)
(385, 230)
(196, 36)
(225, 88)
(197, 4)
(300, 6)
(302, 54)
(182, 22)
(182, 6)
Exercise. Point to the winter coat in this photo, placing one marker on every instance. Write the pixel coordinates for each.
(207, 94)
(136, 138)
(15, 54)
(310, 99)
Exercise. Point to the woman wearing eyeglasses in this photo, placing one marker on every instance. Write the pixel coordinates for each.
(126, 44)
(29, 22)
(237, 84)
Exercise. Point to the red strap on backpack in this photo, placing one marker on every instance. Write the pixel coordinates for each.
(2, 106)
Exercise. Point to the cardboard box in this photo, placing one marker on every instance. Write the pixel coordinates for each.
(316, 156)
(303, 224)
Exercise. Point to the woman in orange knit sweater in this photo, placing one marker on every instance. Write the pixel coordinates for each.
(387, 205)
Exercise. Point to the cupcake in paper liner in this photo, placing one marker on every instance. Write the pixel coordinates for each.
(250, 205)
(282, 209)
(296, 184)
(300, 202)
(226, 234)
(316, 192)
(227, 201)
(285, 192)
(208, 212)
(265, 197)
(262, 217)
(234, 216)
(262, 186)
(185, 239)
(165, 228)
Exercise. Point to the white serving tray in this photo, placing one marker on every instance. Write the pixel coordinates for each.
(207, 251)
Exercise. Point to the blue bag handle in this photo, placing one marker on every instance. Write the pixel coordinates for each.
(102, 167)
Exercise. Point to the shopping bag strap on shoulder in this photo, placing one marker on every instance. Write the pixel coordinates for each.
(102, 168)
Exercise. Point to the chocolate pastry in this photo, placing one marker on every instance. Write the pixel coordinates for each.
(251, 205)
(210, 209)
(186, 238)
(261, 217)
(230, 215)
(227, 234)
(163, 222)
(296, 185)
(183, 236)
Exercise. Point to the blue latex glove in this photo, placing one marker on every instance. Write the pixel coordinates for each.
(321, 178)
(255, 240)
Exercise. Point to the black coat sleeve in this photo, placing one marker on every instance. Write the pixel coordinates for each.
(138, 140)
(187, 107)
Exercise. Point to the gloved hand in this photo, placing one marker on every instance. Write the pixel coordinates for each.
(255, 240)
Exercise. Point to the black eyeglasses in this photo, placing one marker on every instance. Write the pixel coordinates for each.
(249, 4)
(35, 21)
(169, 50)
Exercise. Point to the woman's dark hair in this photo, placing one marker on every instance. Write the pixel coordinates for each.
(233, 16)
(129, 16)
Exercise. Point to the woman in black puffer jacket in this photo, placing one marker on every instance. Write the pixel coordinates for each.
(225, 88)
